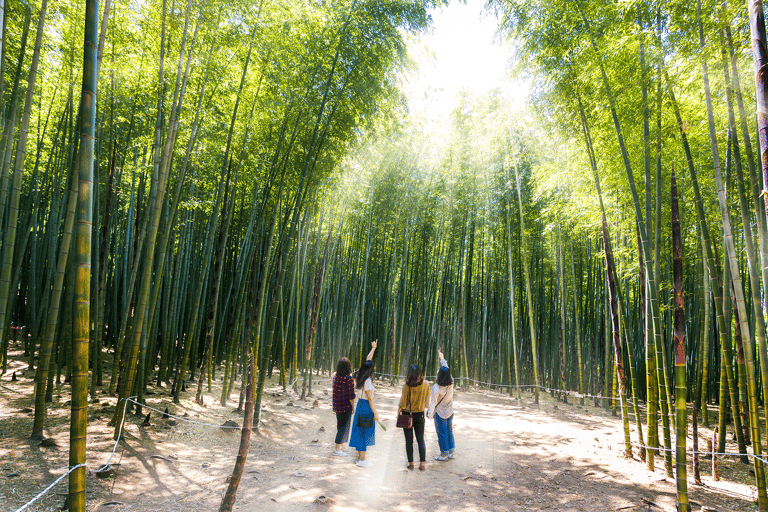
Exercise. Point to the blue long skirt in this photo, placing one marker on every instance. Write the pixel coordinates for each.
(362, 438)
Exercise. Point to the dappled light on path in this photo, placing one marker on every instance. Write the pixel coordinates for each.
(512, 455)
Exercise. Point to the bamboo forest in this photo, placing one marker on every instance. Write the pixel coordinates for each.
(205, 204)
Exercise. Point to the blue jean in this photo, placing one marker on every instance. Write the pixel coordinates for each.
(444, 430)
(342, 426)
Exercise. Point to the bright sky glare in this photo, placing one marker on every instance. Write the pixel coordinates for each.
(461, 52)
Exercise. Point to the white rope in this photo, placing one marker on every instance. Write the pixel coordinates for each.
(106, 465)
(578, 395)
(49, 488)
(114, 448)
(691, 452)
(390, 375)
(180, 418)
(515, 386)
(543, 388)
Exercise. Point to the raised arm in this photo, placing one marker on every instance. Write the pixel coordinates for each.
(373, 349)
(443, 362)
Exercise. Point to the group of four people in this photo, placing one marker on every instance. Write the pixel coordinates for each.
(417, 400)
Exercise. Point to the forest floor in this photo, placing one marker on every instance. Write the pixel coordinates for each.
(511, 455)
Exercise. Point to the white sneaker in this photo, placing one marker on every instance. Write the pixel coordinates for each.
(441, 457)
(450, 456)
(364, 463)
(340, 453)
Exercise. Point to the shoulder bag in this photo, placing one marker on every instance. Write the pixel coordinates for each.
(438, 403)
(405, 420)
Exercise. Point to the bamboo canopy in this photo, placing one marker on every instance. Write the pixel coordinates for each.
(224, 189)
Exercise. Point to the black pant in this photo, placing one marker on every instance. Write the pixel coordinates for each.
(342, 425)
(418, 427)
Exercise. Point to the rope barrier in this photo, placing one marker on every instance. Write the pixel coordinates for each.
(114, 448)
(103, 467)
(48, 488)
(713, 453)
(514, 386)
(181, 418)
(629, 401)
(543, 388)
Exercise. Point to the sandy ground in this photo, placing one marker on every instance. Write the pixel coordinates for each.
(512, 455)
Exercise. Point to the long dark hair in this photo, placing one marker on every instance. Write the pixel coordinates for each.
(366, 371)
(344, 367)
(444, 376)
(414, 376)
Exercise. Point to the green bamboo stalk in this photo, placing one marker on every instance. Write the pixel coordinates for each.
(315, 311)
(526, 274)
(635, 387)
(512, 326)
(141, 311)
(179, 95)
(722, 416)
(256, 304)
(653, 300)
(681, 389)
(43, 376)
(215, 289)
(714, 273)
(760, 59)
(22, 259)
(762, 227)
(99, 251)
(752, 259)
(561, 300)
(9, 236)
(701, 393)
(576, 304)
(9, 119)
(79, 408)
(736, 283)
(3, 22)
(161, 167)
(608, 366)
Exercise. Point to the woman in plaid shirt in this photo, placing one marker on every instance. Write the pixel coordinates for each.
(343, 403)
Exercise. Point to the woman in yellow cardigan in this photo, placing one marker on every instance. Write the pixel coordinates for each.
(414, 401)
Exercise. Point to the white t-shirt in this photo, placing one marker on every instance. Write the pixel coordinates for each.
(367, 386)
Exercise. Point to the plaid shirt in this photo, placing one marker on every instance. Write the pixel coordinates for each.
(343, 393)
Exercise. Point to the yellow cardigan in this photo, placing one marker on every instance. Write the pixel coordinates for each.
(419, 399)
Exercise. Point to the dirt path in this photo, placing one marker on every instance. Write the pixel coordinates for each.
(511, 455)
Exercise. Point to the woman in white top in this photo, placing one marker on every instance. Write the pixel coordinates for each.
(363, 430)
(441, 408)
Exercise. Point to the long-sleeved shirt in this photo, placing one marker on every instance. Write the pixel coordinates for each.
(414, 399)
(441, 399)
(343, 393)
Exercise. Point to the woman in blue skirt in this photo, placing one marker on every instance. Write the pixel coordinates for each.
(363, 424)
